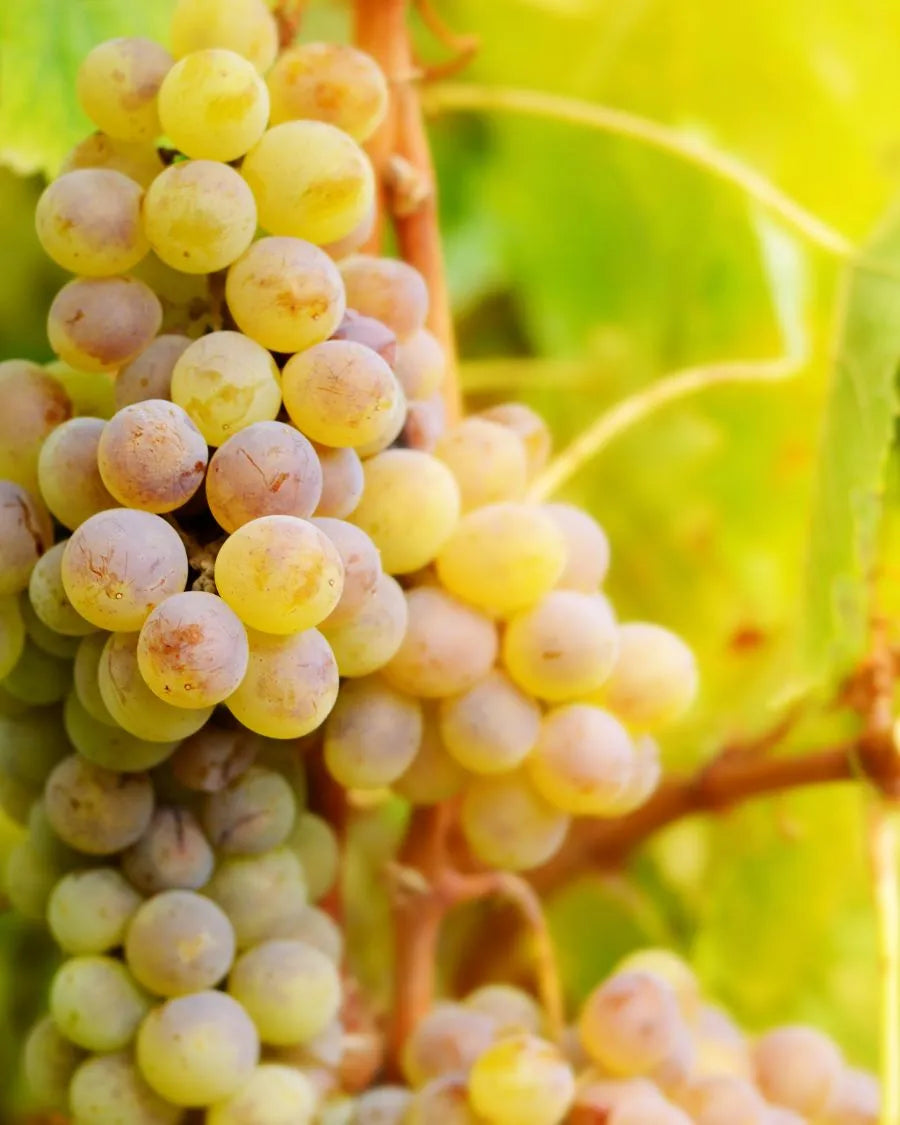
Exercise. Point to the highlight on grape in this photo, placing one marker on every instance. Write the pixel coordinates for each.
(276, 558)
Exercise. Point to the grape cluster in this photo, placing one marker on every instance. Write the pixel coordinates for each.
(235, 531)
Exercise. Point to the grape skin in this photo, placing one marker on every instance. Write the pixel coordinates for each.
(149, 375)
(530, 427)
(89, 222)
(447, 1040)
(314, 927)
(199, 1049)
(109, 1090)
(89, 911)
(342, 482)
(654, 680)
(492, 727)
(109, 745)
(26, 532)
(372, 734)
(724, 1100)
(254, 813)
(117, 86)
(513, 1010)
(508, 824)
(382, 1105)
(587, 548)
(101, 323)
(214, 757)
(433, 775)
(213, 104)
(95, 1002)
(371, 637)
(487, 460)
(267, 469)
(48, 596)
(193, 650)
(32, 405)
(388, 290)
(12, 635)
(172, 854)
(362, 568)
(95, 810)
(273, 1095)
(314, 842)
(259, 893)
(797, 1067)
(522, 1080)
(86, 678)
(49, 1060)
(138, 160)
(244, 26)
(68, 474)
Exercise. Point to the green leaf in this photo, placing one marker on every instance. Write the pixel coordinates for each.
(42, 43)
(853, 459)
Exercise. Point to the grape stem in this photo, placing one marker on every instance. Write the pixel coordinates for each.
(398, 150)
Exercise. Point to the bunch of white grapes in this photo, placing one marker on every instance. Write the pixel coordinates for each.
(235, 530)
(647, 1049)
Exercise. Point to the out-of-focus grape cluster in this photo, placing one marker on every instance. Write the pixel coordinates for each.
(235, 530)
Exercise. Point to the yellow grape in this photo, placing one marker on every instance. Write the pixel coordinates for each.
(138, 160)
(513, 1010)
(89, 910)
(86, 672)
(368, 639)
(26, 532)
(356, 239)
(244, 26)
(668, 966)
(213, 105)
(420, 364)
(654, 679)
(564, 647)
(388, 290)
(723, 1100)
(149, 375)
(118, 82)
(96, 810)
(522, 1080)
(341, 393)
(101, 323)
(409, 508)
(189, 308)
(290, 687)
(587, 548)
(280, 574)
(109, 1090)
(48, 1062)
(96, 1003)
(487, 460)
(502, 558)
(392, 428)
(272, 1095)
(225, 382)
(448, 646)
(433, 775)
(47, 595)
(32, 404)
(531, 428)
(92, 393)
(444, 1099)
(68, 474)
(492, 727)
(797, 1067)
(508, 824)
(89, 222)
(333, 82)
(310, 181)
(342, 482)
(259, 893)
(199, 216)
(372, 734)
(285, 293)
(362, 568)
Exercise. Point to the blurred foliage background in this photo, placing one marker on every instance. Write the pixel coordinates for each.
(584, 267)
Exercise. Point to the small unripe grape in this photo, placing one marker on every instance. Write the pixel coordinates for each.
(522, 1080)
(96, 1003)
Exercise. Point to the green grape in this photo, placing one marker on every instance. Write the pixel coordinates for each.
(280, 574)
(214, 757)
(101, 323)
(109, 1090)
(502, 558)
(331, 82)
(632, 1025)
(564, 647)
(362, 568)
(394, 422)
(584, 760)
(92, 393)
(513, 1010)
(492, 727)
(313, 841)
(151, 456)
(46, 639)
(117, 86)
(12, 634)
(291, 990)
(172, 854)
(17, 798)
(32, 743)
(311, 181)
(342, 482)
(32, 404)
(273, 1095)
(28, 879)
(341, 393)
(69, 478)
(797, 1067)
(254, 813)
(487, 460)
(433, 775)
(258, 893)
(39, 678)
(855, 1101)
(654, 679)
(723, 1100)
(420, 364)
(285, 294)
(89, 222)
(508, 824)
(179, 942)
(587, 548)
(131, 702)
(26, 532)
(138, 160)
(531, 428)
(97, 810)
(268, 469)
(86, 676)
(192, 650)
(96, 1003)
(213, 105)
(49, 1060)
(199, 216)
(110, 746)
(447, 649)
(522, 1080)
(197, 1050)
(244, 26)
(447, 1040)
(48, 596)
(226, 382)
(371, 637)
(46, 844)
(444, 1100)
(409, 508)
(189, 308)
(388, 290)
(149, 375)
(372, 734)
(89, 911)
(290, 686)
(314, 927)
